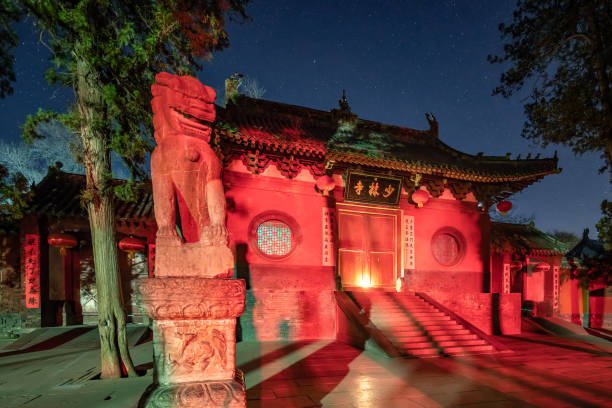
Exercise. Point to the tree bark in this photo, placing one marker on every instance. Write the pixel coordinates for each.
(99, 196)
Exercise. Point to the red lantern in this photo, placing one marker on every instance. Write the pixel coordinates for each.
(62, 241)
(503, 207)
(325, 184)
(516, 266)
(131, 245)
(420, 197)
(541, 267)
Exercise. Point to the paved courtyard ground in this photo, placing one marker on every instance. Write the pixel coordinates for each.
(543, 370)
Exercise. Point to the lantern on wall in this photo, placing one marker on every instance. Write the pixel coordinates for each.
(516, 266)
(420, 197)
(541, 267)
(325, 184)
(503, 207)
(62, 241)
(131, 245)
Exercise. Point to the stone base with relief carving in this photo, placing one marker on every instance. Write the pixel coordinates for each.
(194, 344)
(227, 393)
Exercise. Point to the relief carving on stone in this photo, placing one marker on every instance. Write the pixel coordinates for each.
(192, 351)
(195, 298)
(228, 393)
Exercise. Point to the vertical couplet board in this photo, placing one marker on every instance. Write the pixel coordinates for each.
(328, 223)
(409, 260)
(555, 288)
(32, 271)
(506, 278)
(151, 260)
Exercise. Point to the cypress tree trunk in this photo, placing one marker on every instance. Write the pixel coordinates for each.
(99, 196)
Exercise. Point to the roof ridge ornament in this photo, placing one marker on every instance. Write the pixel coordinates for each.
(343, 103)
(433, 124)
(343, 113)
(231, 87)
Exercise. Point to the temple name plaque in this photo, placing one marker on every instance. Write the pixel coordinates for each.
(372, 188)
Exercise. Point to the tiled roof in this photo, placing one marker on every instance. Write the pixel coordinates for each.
(59, 194)
(278, 127)
(524, 239)
(587, 248)
(343, 138)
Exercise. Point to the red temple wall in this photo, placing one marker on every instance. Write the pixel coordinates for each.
(497, 271)
(471, 227)
(292, 297)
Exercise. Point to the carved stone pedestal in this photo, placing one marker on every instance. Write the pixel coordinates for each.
(194, 343)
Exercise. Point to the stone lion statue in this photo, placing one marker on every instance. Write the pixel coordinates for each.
(188, 193)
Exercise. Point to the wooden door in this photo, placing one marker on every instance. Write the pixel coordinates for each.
(367, 253)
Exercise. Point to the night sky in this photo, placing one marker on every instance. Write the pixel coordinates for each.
(396, 61)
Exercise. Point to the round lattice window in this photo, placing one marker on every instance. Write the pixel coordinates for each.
(447, 248)
(274, 238)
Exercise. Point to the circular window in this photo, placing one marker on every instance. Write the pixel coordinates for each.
(274, 235)
(274, 238)
(447, 247)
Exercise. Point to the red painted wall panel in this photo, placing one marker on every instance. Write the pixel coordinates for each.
(290, 297)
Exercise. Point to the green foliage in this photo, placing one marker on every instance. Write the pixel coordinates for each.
(9, 13)
(593, 271)
(125, 192)
(604, 226)
(597, 268)
(109, 53)
(30, 127)
(562, 49)
(226, 126)
(14, 196)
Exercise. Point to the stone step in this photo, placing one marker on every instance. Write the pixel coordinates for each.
(451, 326)
(396, 300)
(452, 332)
(416, 345)
(404, 333)
(427, 314)
(441, 322)
(406, 305)
(445, 337)
(469, 349)
(432, 318)
(401, 307)
(412, 302)
(408, 339)
(418, 329)
(404, 312)
(390, 312)
(391, 323)
(421, 352)
(453, 343)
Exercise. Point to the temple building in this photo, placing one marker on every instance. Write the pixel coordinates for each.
(329, 216)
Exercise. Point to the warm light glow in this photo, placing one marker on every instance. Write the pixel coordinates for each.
(398, 285)
(365, 283)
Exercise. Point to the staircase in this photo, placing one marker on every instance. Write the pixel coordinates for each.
(416, 327)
